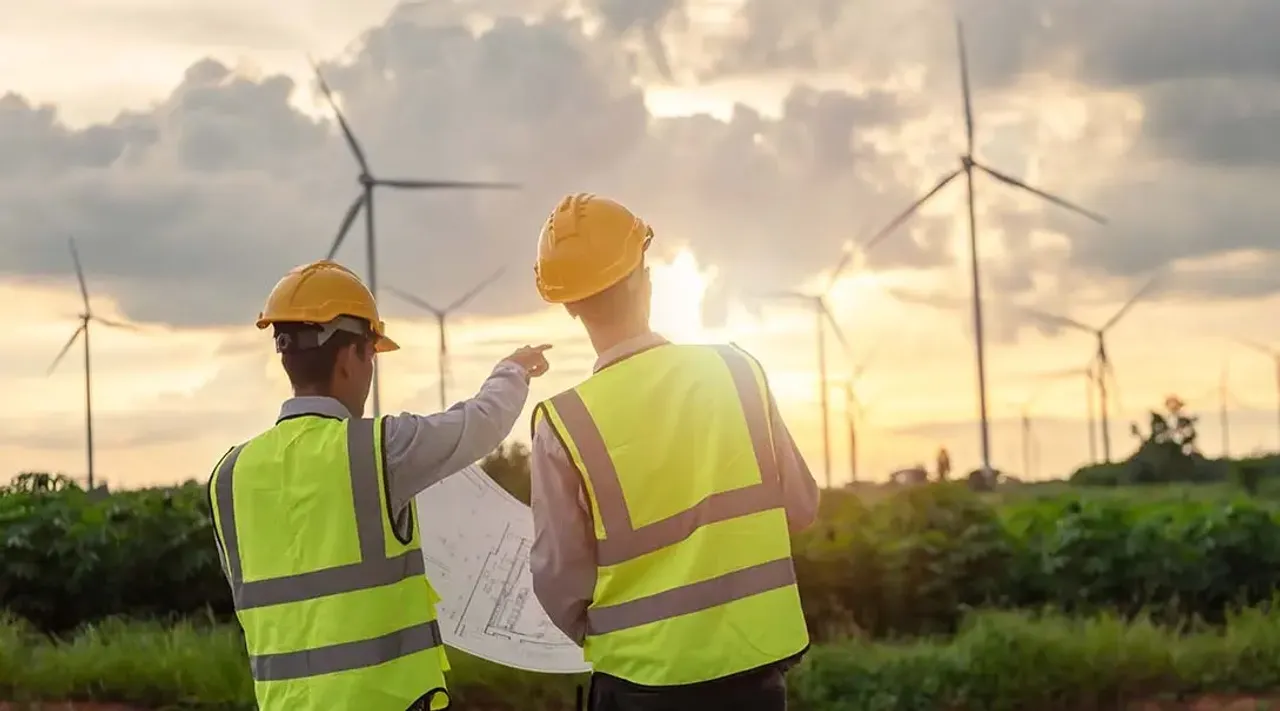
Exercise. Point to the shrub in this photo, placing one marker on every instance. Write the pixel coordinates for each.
(911, 562)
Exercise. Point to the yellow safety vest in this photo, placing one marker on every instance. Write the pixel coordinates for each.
(328, 584)
(695, 580)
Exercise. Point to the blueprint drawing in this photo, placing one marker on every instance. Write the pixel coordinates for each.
(475, 540)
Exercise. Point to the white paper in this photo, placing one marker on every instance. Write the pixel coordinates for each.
(476, 539)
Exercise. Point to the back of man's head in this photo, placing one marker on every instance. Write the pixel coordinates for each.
(624, 303)
(309, 354)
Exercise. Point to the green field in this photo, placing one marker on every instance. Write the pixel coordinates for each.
(1040, 596)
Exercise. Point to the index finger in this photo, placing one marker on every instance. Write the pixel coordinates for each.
(541, 348)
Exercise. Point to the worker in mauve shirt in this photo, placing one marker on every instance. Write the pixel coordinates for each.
(665, 490)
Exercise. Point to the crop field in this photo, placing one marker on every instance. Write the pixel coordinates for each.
(1053, 596)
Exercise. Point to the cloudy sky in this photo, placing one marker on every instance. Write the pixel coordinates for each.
(184, 145)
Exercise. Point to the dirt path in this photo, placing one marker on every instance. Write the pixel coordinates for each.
(1210, 703)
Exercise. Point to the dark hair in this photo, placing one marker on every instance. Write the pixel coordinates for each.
(313, 367)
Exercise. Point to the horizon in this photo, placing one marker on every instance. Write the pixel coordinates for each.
(187, 151)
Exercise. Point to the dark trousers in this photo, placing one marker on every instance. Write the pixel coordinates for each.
(763, 689)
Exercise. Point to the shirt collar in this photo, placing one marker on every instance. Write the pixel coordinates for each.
(313, 405)
(627, 348)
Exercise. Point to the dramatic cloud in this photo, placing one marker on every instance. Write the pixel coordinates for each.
(188, 212)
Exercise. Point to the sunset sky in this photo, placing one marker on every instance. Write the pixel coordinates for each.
(183, 145)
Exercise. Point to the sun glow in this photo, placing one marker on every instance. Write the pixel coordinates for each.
(678, 290)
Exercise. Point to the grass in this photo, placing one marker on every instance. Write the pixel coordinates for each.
(196, 665)
(998, 662)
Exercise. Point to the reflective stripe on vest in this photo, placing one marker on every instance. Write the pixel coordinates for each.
(375, 569)
(623, 541)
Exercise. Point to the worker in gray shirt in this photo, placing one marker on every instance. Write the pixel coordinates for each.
(314, 518)
(665, 489)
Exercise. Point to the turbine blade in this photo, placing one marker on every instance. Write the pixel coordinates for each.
(782, 295)
(75, 259)
(347, 220)
(835, 328)
(867, 360)
(964, 88)
(907, 213)
(444, 184)
(1060, 202)
(842, 265)
(352, 143)
(1145, 290)
(1257, 347)
(1063, 373)
(1060, 320)
(415, 300)
(116, 324)
(70, 342)
(475, 290)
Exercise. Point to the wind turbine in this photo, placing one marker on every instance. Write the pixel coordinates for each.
(86, 317)
(1105, 372)
(1090, 379)
(1225, 399)
(967, 164)
(1275, 358)
(441, 315)
(822, 314)
(364, 200)
(854, 409)
(1028, 437)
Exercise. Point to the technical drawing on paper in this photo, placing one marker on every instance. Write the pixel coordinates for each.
(475, 541)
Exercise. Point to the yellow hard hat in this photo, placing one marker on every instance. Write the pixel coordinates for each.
(587, 245)
(320, 293)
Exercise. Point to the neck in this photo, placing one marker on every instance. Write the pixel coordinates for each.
(356, 409)
(605, 336)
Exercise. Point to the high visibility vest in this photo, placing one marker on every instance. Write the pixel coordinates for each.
(329, 585)
(694, 573)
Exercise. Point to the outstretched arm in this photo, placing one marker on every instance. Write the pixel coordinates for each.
(424, 449)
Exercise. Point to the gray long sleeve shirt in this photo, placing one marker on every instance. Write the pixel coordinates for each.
(563, 557)
(424, 449)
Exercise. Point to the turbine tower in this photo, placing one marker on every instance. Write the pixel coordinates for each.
(1105, 372)
(86, 317)
(967, 165)
(823, 317)
(364, 200)
(443, 314)
(855, 409)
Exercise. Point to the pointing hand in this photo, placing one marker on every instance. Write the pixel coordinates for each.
(531, 358)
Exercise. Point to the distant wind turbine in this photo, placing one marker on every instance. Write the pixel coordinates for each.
(441, 315)
(855, 409)
(1030, 445)
(365, 201)
(1105, 372)
(1090, 378)
(1222, 392)
(823, 315)
(86, 317)
(967, 164)
(1275, 358)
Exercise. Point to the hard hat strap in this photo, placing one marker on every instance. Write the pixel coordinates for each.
(314, 335)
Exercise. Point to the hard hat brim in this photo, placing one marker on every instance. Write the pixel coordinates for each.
(385, 345)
